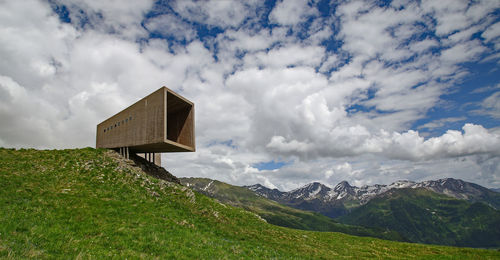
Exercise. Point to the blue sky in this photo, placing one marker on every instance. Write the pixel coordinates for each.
(286, 92)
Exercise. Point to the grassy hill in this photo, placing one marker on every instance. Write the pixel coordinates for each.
(427, 217)
(279, 214)
(90, 203)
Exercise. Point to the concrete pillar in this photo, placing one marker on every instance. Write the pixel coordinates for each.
(157, 158)
(151, 157)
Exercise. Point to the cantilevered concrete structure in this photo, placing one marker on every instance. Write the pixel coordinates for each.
(162, 122)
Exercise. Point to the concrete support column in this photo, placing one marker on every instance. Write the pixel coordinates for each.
(154, 158)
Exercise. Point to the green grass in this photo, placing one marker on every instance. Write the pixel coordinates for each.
(84, 203)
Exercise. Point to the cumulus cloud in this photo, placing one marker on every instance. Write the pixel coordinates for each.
(406, 146)
(30, 125)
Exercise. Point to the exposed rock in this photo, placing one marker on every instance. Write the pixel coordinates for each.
(153, 169)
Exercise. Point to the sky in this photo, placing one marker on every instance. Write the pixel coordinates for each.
(286, 92)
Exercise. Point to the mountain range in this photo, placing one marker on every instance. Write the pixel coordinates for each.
(445, 211)
(279, 214)
(343, 197)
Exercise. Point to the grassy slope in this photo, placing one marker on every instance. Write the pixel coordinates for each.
(427, 217)
(83, 202)
(278, 214)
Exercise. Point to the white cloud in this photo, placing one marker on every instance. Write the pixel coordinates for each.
(246, 40)
(291, 12)
(492, 32)
(410, 145)
(331, 61)
(449, 17)
(422, 46)
(216, 13)
(368, 34)
(34, 44)
(463, 52)
(485, 89)
(123, 18)
(170, 25)
(492, 35)
(490, 106)
(474, 140)
(441, 122)
(30, 125)
(295, 55)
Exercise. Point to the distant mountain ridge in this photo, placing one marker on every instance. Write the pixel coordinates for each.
(344, 197)
(424, 216)
(278, 214)
(446, 211)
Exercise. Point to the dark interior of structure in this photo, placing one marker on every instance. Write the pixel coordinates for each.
(179, 128)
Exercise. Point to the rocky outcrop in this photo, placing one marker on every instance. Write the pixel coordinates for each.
(147, 167)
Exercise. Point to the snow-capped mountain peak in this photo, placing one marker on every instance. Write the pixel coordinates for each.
(343, 186)
(309, 191)
(343, 192)
(273, 194)
(256, 187)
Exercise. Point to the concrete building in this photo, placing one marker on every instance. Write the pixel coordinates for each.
(162, 122)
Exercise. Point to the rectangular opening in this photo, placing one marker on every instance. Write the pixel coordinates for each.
(179, 120)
